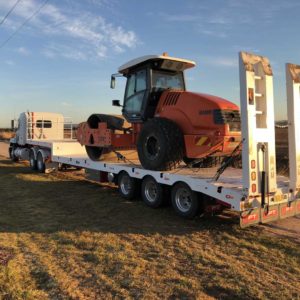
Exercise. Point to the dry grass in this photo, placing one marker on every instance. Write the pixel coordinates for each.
(70, 239)
(6, 134)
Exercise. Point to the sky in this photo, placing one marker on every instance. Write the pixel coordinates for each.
(62, 58)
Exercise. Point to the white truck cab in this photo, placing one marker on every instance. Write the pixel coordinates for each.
(36, 127)
(39, 126)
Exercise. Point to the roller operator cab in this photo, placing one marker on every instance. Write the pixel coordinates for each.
(168, 123)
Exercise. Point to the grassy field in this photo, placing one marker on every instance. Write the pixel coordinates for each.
(61, 238)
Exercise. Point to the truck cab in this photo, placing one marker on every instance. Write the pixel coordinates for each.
(39, 126)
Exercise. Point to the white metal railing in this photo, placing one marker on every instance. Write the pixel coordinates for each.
(38, 129)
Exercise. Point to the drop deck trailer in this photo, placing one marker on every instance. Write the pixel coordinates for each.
(255, 191)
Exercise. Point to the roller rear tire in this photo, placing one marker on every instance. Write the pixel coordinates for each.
(160, 145)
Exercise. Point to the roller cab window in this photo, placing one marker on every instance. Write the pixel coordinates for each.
(135, 92)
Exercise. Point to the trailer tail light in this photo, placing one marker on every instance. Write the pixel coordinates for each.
(253, 176)
(253, 164)
(253, 188)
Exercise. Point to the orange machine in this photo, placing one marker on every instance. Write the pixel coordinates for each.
(168, 123)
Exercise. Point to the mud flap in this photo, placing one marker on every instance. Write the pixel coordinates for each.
(287, 209)
(273, 213)
(297, 207)
(249, 217)
(269, 214)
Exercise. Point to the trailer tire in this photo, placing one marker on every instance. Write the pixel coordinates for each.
(127, 186)
(184, 201)
(152, 192)
(160, 145)
(41, 166)
(32, 160)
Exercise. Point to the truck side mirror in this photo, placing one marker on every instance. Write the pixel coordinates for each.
(113, 82)
(14, 125)
(116, 103)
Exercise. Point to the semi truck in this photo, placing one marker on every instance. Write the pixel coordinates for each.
(255, 191)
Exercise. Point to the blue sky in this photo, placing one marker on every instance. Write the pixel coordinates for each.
(61, 61)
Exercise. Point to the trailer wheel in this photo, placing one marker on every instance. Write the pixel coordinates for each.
(160, 145)
(185, 201)
(32, 160)
(152, 192)
(127, 186)
(41, 167)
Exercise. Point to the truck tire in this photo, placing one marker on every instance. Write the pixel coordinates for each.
(41, 166)
(160, 145)
(127, 186)
(12, 155)
(10, 152)
(32, 160)
(185, 201)
(152, 192)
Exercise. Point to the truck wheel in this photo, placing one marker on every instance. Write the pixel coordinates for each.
(184, 201)
(152, 192)
(160, 145)
(10, 152)
(32, 161)
(127, 186)
(41, 167)
(12, 155)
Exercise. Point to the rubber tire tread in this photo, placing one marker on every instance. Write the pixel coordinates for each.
(40, 157)
(12, 156)
(34, 166)
(172, 143)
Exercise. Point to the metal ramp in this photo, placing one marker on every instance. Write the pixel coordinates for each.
(267, 201)
(293, 100)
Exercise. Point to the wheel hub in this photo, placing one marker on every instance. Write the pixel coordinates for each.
(151, 191)
(125, 185)
(152, 147)
(183, 200)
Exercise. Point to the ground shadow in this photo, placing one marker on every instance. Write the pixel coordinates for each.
(39, 203)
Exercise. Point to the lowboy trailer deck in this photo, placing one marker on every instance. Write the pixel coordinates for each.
(255, 191)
